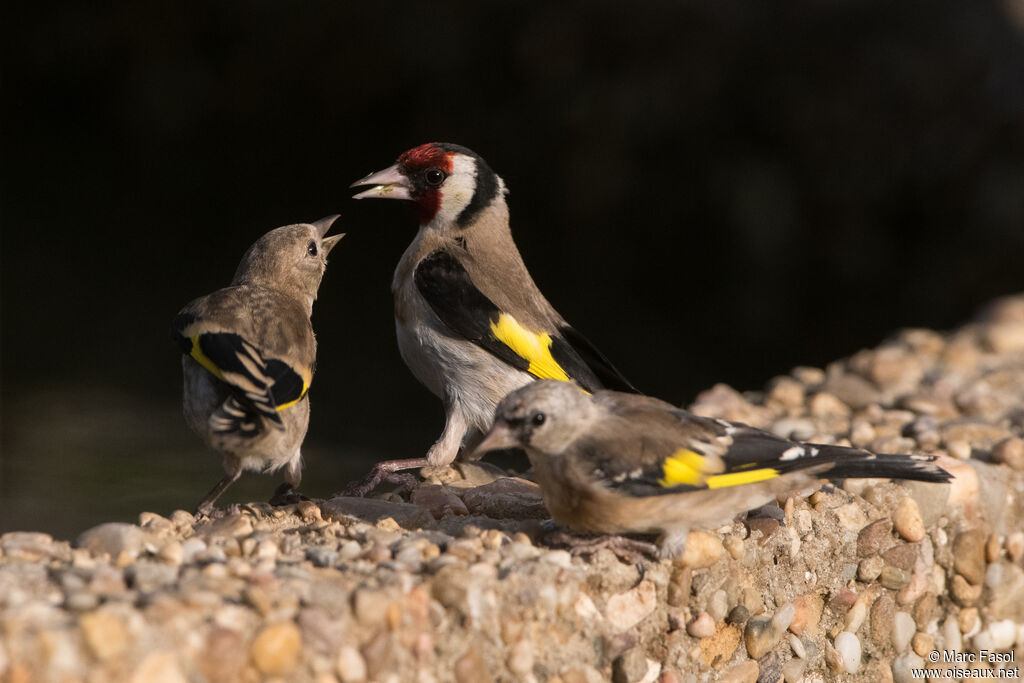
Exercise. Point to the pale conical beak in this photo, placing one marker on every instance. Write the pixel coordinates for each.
(501, 436)
(324, 224)
(387, 184)
(331, 241)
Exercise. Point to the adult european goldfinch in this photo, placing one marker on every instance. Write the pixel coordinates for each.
(471, 324)
(616, 463)
(249, 353)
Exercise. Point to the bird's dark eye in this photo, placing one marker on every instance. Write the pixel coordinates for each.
(538, 418)
(435, 176)
(311, 249)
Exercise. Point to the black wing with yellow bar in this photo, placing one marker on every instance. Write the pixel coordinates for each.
(710, 454)
(561, 354)
(262, 385)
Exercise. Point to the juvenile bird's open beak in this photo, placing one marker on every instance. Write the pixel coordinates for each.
(500, 436)
(324, 224)
(331, 241)
(387, 184)
(322, 227)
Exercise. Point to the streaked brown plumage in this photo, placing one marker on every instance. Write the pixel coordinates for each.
(249, 353)
(618, 463)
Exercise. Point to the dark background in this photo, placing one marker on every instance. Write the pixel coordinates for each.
(710, 190)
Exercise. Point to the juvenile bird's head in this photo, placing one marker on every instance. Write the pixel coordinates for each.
(291, 259)
(545, 416)
(450, 185)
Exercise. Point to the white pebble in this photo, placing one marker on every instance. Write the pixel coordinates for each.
(903, 628)
(848, 647)
(951, 638)
(798, 646)
(351, 666)
(784, 617)
(559, 558)
(855, 617)
(718, 605)
(1003, 634)
(191, 548)
(983, 641)
(903, 668)
(994, 575)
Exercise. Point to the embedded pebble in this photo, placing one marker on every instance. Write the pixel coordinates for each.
(848, 646)
(1015, 546)
(702, 550)
(903, 629)
(922, 643)
(718, 605)
(903, 668)
(967, 619)
(969, 555)
(738, 615)
(793, 670)
(871, 538)
(626, 610)
(275, 650)
(1010, 452)
(798, 646)
(701, 627)
(951, 637)
(869, 568)
(906, 519)
(744, 672)
(963, 592)
(762, 633)
(120, 542)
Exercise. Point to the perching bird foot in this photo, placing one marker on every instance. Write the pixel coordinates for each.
(390, 472)
(626, 549)
(286, 495)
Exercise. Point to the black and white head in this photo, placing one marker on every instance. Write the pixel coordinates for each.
(449, 184)
(544, 416)
(292, 258)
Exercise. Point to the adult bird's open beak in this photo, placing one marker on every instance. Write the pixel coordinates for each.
(387, 184)
(500, 436)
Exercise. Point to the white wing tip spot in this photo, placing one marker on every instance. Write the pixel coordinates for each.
(792, 453)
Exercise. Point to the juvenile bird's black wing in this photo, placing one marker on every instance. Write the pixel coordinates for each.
(221, 342)
(561, 353)
(649, 448)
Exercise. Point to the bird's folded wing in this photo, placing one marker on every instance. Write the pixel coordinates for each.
(260, 384)
(560, 353)
(675, 451)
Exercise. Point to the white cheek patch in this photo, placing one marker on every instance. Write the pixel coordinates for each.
(457, 191)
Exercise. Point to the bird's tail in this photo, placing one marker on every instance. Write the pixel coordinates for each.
(853, 463)
(232, 419)
(891, 466)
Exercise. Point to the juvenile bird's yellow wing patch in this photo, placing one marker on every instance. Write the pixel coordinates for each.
(719, 481)
(683, 467)
(690, 468)
(532, 346)
(197, 354)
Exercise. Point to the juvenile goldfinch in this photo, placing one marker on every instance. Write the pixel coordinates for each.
(617, 463)
(249, 353)
(471, 324)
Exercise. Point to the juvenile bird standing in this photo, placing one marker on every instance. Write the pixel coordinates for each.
(471, 324)
(249, 353)
(617, 463)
